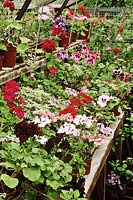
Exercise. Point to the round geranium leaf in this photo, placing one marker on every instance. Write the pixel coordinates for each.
(33, 173)
(9, 181)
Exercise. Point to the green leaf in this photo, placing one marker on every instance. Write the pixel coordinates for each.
(3, 47)
(39, 51)
(7, 165)
(76, 194)
(24, 40)
(33, 173)
(22, 48)
(9, 181)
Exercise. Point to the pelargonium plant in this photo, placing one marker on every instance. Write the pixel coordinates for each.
(12, 104)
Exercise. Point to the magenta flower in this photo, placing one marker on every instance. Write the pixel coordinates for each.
(53, 70)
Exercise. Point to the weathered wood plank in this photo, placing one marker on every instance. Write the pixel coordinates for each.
(15, 72)
(99, 159)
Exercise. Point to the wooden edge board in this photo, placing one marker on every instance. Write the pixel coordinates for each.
(99, 159)
(24, 69)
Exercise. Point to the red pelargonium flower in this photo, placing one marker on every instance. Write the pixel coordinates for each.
(53, 70)
(70, 109)
(87, 14)
(19, 111)
(12, 106)
(12, 7)
(63, 35)
(7, 3)
(21, 100)
(11, 86)
(86, 79)
(10, 93)
(76, 101)
(87, 99)
(82, 8)
(71, 11)
(116, 50)
(48, 46)
(9, 97)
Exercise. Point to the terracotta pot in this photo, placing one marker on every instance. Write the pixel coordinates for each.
(130, 189)
(88, 166)
(66, 41)
(74, 37)
(1, 62)
(83, 37)
(10, 57)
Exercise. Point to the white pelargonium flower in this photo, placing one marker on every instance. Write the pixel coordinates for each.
(69, 129)
(103, 99)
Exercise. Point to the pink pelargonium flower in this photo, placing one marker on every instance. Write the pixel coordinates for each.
(105, 130)
(62, 54)
(89, 59)
(76, 56)
(70, 91)
(103, 99)
(80, 19)
(53, 70)
(68, 117)
(85, 49)
(43, 17)
(44, 114)
(84, 90)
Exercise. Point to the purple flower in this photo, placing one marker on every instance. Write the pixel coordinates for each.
(60, 22)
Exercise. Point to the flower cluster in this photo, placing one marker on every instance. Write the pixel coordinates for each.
(114, 179)
(57, 30)
(88, 56)
(76, 101)
(10, 93)
(123, 76)
(82, 14)
(25, 130)
(42, 118)
(60, 22)
(48, 46)
(9, 4)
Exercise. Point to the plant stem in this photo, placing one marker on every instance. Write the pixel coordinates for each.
(38, 192)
